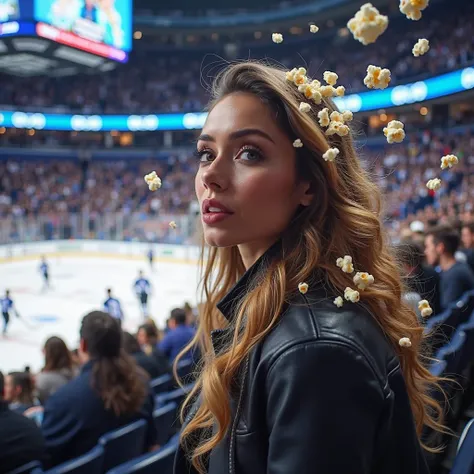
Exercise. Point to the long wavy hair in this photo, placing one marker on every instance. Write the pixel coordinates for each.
(344, 218)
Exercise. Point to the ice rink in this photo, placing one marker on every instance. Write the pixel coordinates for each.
(78, 285)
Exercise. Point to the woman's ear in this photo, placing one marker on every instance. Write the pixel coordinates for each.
(306, 193)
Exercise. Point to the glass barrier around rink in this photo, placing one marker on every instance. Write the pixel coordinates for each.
(136, 227)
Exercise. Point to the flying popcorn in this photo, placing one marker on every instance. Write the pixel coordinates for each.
(421, 47)
(367, 24)
(347, 115)
(394, 131)
(330, 77)
(153, 181)
(345, 264)
(412, 8)
(351, 295)
(323, 116)
(313, 28)
(448, 161)
(434, 184)
(339, 301)
(304, 107)
(303, 288)
(404, 342)
(297, 143)
(425, 308)
(362, 280)
(377, 78)
(330, 155)
(340, 91)
(173, 225)
(277, 38)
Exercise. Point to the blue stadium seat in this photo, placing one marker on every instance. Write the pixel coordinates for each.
(176, 396)
(452, 354)
(123, 444)
(161, 384)
(466, 306)
(438, 368)
(164, 419)
(26, 468)
(158, 462)
(464, 461)
(184, 369)
(89, 463)
(442, 327)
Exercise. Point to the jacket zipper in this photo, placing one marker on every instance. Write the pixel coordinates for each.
(236, 419)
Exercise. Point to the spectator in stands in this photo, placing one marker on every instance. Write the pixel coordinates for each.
(147, 362)
(147, 338)
(21, 440)
(19, 391)
(111, 391)
(420, 278)
(58, 368)
(441, 243)
(467, 237)
(178, 336)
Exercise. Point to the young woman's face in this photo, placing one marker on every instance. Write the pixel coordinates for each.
(246, 183)
(10, 394)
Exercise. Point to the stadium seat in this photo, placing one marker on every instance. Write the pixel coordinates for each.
(185, 369)
(452, 354)
(438, 368)
(164, 419)
(158, 462)
(466, 306)
(123, 444)
(89, 463)
(161, 384)
(176, 396)
(442, 327)
(27, 468)
(464, 461)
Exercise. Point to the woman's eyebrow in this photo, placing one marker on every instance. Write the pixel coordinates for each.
(238, 134)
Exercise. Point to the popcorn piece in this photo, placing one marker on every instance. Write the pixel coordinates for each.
(303, 288)
(347, 115)
(340, 91)
(345, 264)
(297, 143)
(336, 117)
(304, 107)
(448, 161)
(313, 28)
(394, 131)
(338, 128)
(290, 75)
(404, 342)
(327, 91)
(153, 181)
(351, 295)
(330, 77)
(421, 47)
(330, 155)
(317, 97)
(425, 308)
(362, 280)
(307, 90)
(173, 225)
(323, 116)
(412, 8)
(338, 301)
(277, 38)
(367, 24)
(377, 78)
(434, 184)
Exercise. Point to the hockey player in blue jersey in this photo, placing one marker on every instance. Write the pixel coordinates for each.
(44, 269)
(7, 306)
(142, 289)
(113, 307)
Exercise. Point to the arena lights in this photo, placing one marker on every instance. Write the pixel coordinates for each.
(432, 88)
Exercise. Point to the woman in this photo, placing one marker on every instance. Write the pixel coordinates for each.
(292, 383)
(58, 368)
(19, 389)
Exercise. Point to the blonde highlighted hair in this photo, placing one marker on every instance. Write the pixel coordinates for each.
(343, 219)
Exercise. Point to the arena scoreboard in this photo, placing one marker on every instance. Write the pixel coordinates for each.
(64, 37)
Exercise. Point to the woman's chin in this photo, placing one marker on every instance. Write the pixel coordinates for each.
(219, 238)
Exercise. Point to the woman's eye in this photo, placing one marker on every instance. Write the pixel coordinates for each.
(203, 155)
(250, 155)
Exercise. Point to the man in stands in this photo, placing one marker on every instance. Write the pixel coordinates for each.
(111, 391)
(178, 336)
(467, 237)
(20, 439)
(441, 243)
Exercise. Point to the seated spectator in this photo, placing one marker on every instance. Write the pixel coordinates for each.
(147, 338)
(111, 391)
(19, 388)
(58, 368)
(178, 336)
(420, 278)
(467, 237)
(147, 362)
(456, 278)
(21, 440)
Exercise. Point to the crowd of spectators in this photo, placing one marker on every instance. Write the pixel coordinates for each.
(175, 80)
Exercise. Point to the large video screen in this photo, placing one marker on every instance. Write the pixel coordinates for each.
(9, 10)
(103, 21)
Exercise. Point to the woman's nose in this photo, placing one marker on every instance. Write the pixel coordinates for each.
(216, 176)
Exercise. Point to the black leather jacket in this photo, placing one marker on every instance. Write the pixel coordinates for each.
(323, 393)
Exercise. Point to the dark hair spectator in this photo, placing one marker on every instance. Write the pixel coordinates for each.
(19, 391)
(467, 238)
